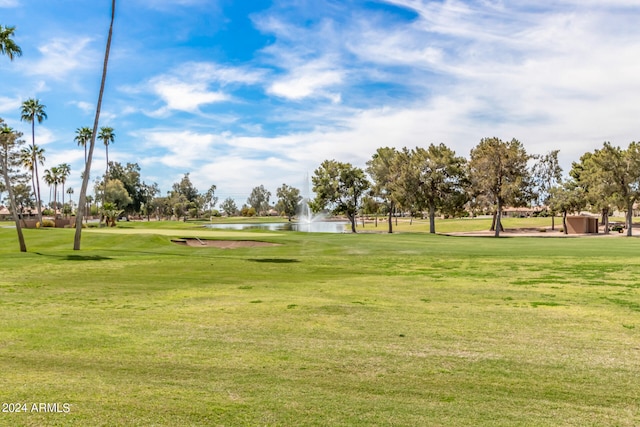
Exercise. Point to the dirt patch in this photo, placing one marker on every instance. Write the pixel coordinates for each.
(222, 244)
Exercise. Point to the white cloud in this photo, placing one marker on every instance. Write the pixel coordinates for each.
(214, 73)
(9, 3)
(558, 78)
(308, 80)
(189, 87)
(9, 105)
(75, 157)
(43, 135)
(182, 148)
(184, 96)
(60, 57)
(85, 107)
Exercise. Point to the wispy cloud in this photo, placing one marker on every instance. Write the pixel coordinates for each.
(310, 79)
(183, 96)
(182, 149)
(194, 85)
(9, 104)
(62, 56)
(9, 3)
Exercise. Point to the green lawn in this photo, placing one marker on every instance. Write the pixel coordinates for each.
(408, 329)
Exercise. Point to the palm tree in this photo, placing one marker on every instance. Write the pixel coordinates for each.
(7, 46)
(29, 157)
(88, 200)
(31, 111)
(49, 179)
(83, 137)
(7, 141)
(53, 176)
(70, 210)
(70, 192)
(107, 137)
(64, 170)
(87, 168)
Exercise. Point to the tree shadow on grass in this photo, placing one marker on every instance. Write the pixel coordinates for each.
(77, 257)
(86, 258)
(275, 260)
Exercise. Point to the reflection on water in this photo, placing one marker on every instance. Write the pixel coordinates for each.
(308, 227)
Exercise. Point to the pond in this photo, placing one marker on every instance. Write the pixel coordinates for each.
(308, 227)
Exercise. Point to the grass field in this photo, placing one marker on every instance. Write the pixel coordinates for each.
(408, 329)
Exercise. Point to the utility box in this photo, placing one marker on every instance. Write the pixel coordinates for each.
(582, 225)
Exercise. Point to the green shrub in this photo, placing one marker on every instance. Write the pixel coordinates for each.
(247, 211)
(46, 223)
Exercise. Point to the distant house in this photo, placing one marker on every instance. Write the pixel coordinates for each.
(521, 212)
(4, 213)
(636, 211)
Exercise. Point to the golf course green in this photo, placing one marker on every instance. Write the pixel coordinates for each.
(405, 329)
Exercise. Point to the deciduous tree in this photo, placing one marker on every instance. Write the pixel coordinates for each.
(209, 198)
(499, 170)
(10, 158)
(259, 199)
(383, 170)
(289, 199)
(546, 175)
(566, 198)
(441, 176)
(613, 174)
(229, 207)
(339, 187)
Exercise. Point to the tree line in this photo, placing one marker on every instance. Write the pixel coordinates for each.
(432, 180)
(497, 174)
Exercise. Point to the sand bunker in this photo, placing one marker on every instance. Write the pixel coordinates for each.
(222, 244)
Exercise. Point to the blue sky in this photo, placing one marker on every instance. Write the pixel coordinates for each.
(260, 92)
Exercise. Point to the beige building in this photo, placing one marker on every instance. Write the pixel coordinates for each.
(582, 224)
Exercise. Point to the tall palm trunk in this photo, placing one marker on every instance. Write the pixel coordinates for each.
(106, 176)
(35, 169)
(85, 180)
(33, 183)
(55, 200)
